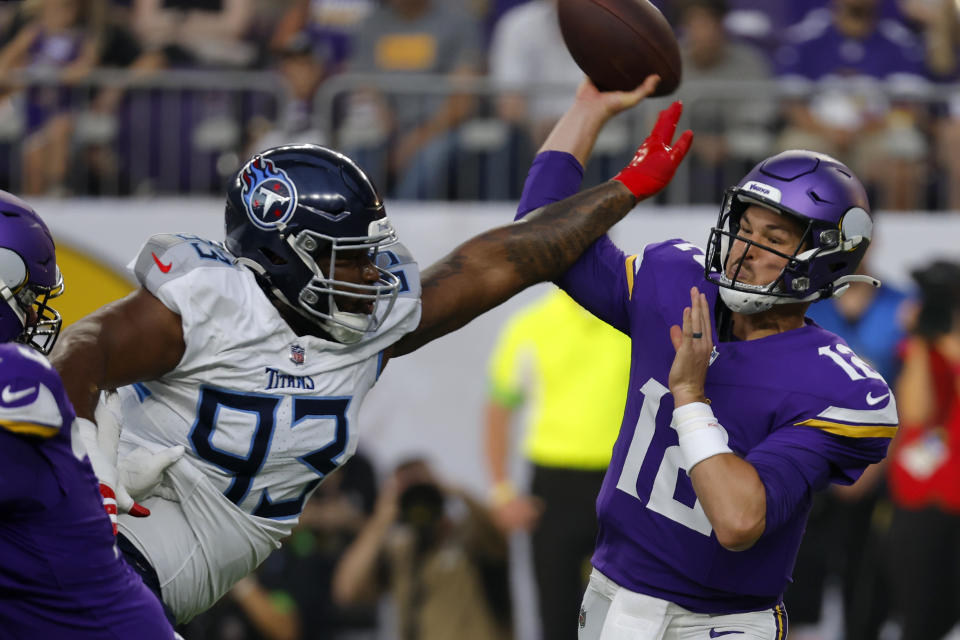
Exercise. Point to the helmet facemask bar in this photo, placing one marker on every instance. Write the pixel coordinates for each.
(790, 285)
(43, 333)
(318, 296)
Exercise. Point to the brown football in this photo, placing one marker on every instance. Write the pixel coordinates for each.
(618, 43)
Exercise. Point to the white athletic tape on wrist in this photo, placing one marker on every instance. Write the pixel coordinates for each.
(700, 435)
(105, 470)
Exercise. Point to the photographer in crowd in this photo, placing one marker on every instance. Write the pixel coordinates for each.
(924, 474)
(444, 564)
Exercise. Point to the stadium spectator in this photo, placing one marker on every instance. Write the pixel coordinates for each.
(841, 72)
(412, 39)
(527, 50)
(196, 33)
(330, 24)
(534, 75)
(61, 40)
(731, 135)
(568, 372)
(939, 21)
(447, 576)
(303, 68)
(923, 558)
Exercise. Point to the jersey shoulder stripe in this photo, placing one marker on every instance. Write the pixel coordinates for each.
(858, 423)
(633, 265)
(29, 428)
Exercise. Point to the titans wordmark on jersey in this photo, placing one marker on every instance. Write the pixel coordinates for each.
(265, 415)
(800, 406)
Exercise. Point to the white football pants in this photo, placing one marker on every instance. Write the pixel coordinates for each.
(611, 612)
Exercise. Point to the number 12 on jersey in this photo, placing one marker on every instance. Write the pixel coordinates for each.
(662, 498)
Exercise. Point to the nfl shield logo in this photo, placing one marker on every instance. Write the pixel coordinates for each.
(296, 354)
(583, 617)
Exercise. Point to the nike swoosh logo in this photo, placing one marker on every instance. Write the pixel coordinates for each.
(717, 634)
(872, 401)
(9, 396)
(164, 268)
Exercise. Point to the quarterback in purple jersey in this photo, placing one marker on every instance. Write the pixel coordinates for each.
(60, 573)
(739, 407)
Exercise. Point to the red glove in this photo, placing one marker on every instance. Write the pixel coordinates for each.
(101, 447)
(656, 161)
(110, 506)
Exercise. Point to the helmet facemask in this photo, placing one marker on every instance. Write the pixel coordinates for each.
(43, 334)
(808, 273)
(28, 304)
(318, 297)
(791, 285)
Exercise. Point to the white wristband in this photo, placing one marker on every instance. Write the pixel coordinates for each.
(700, 435)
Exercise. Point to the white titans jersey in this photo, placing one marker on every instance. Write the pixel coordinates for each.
(264, 415)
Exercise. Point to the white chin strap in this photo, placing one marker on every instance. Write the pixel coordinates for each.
(347, 328)
(746, 302)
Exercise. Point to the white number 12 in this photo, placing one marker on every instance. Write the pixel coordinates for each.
(665, 484)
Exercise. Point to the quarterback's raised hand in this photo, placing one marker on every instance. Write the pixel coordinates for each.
(658, 157)
(693, 341)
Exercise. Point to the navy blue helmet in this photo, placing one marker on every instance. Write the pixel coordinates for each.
(290, 210)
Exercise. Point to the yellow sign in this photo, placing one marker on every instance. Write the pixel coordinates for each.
(88, 284)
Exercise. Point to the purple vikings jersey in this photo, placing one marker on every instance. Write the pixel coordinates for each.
(800, 406)
(60, 573)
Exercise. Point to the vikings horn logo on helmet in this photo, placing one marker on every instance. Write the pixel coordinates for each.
(269, 195)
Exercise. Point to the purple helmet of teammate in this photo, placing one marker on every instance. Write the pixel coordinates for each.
(29, 277)
(830, 204)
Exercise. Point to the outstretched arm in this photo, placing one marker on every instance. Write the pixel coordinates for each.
(492, 267)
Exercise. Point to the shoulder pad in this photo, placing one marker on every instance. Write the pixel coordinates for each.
(31, 394)
(398, 260)
(166, 256)
(673, 255)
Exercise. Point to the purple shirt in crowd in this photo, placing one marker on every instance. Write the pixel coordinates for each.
(61, 576)
(815, 49)
(799, 406)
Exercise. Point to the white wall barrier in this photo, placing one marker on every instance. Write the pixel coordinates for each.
(431, 402)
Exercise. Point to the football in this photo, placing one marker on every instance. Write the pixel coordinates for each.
(618, 43)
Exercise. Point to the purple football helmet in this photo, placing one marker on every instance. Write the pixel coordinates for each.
(830, 204)
(29, 277)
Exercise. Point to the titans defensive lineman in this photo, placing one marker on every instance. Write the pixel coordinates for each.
(60, 573)
(727, 432)
(256, 354)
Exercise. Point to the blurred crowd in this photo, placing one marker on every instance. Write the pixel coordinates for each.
(449, 100)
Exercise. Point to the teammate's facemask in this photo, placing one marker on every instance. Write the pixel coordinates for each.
(29, 277)
(831, 207)
(290, 212)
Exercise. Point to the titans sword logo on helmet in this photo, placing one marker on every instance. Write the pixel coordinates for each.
(269, 195)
